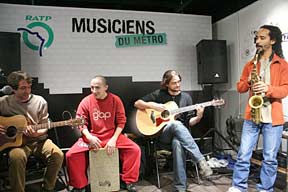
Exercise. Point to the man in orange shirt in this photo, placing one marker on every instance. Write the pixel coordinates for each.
(264, 76)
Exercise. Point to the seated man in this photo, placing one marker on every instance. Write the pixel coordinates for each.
(105, 119)
(175, 133)
(35, 109)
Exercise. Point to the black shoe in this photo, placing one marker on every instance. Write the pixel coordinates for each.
(79, 190)
(131, 187)
(122, 185)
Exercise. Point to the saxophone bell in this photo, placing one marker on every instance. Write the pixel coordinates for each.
(256, 101)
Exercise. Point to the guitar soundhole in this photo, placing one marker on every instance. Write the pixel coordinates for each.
(165, 114)
(11, 131)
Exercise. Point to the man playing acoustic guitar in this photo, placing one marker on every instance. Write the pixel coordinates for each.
(34, 108)
(175, 133)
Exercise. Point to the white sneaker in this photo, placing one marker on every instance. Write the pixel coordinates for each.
(205, 170)
(233, 189)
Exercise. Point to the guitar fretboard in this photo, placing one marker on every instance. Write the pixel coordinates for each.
(50, 125)
(190, 108)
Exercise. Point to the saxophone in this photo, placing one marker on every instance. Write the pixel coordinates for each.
(256, 100)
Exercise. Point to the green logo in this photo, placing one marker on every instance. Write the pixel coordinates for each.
(44, 42)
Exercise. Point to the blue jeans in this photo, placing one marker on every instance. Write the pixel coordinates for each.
(271, 143)
(177, 135)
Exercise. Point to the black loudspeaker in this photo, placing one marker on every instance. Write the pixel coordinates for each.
(10, 56)
(212, 61)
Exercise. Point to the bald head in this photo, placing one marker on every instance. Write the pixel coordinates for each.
(99, 87)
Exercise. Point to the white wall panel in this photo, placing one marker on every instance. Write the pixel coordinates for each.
(74, 58)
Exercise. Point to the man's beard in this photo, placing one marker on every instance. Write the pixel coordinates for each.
(175, 90)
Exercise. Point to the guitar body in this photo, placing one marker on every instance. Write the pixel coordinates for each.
(14, 127)
(149, 122)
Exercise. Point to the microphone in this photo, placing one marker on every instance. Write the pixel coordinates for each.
(6, 90)
(1, 72)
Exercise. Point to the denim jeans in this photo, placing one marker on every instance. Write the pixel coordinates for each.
(177, 135)
(271, 143)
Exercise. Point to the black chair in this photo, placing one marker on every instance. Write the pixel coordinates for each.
(4, 181)
(62, 173)
(154, 153)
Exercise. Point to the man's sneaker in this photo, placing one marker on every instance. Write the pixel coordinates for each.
(233, 189)
(205, 170)
(79, 190)
(131, 187)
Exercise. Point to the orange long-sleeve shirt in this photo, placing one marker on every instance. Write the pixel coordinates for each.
(277, 90)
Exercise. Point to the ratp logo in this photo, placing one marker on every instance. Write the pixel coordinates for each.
(37, 35)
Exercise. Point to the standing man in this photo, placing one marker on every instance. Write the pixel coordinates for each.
(35, 109)
(105, 118)
(272, 84)
(176, 133)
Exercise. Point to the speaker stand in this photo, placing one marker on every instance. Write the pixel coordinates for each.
(215, 131)
(209, 89)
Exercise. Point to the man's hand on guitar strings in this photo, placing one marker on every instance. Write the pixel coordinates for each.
(2, 130)
(200, 111)
(29, 131)
(159, 107)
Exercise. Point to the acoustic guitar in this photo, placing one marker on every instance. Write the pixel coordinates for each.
(149, 121)
(15, 125)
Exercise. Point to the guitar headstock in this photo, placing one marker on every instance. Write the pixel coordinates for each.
(217, 102)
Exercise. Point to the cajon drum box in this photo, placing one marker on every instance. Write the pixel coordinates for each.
(104, 171)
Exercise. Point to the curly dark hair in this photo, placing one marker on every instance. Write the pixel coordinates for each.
(276, 35)
(167, 76)
(15, 77)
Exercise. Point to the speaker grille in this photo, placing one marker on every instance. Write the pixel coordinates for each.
(212, 61)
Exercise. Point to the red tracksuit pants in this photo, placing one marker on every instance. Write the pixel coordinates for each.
(77, 161)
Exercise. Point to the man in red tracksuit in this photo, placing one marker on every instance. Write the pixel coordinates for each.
(105, 119)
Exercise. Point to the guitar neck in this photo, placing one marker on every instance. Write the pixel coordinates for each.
(189, 108)
(50, 125)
